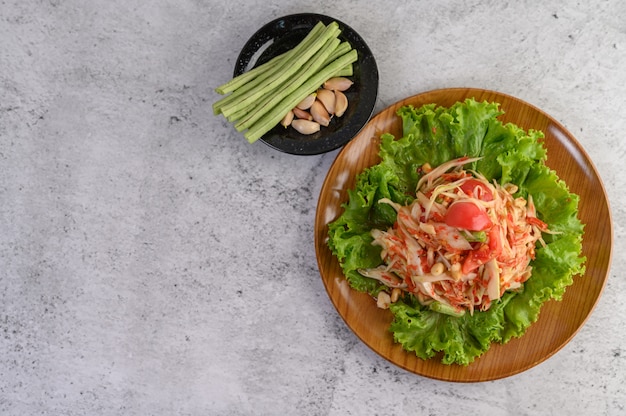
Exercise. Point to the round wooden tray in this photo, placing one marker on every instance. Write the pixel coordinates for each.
(558, 321)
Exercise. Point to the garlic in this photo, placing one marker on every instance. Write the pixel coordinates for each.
(318, 108)
(338, 84)
(306, 103)
(302, 114)
(327, 97)
(319, 113)
(305, 126)
(286, 121)
(383, 300)
(341, 103)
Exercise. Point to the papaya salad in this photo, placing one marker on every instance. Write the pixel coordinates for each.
(462, 242)
(461, 231)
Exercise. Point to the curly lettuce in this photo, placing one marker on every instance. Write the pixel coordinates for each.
(508, 154)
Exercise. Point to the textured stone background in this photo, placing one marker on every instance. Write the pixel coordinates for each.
(152, 262)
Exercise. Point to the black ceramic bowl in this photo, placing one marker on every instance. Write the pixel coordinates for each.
(284, 33)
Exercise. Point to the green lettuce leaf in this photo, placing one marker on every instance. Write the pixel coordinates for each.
(509, 155)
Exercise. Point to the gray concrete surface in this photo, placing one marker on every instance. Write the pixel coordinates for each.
(152, 262)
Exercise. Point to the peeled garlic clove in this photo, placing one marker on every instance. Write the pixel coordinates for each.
(319, 113)
(327, 97)
(341, 103)
(338, 84)
(384, 300)
(286, 121)
(302, 114)
(305, 126)
(306, 103)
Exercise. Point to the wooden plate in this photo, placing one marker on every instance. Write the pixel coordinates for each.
(558, 321)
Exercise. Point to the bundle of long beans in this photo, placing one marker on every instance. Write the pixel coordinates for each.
(258, 99)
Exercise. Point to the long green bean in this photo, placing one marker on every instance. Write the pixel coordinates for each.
(287, 70)
(242, 79)
(260, 98)
(304, 73)
(272, 118)
(256, 76)
(347, 71)
(344, 47)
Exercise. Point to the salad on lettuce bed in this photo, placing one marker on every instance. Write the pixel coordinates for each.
(399, 233)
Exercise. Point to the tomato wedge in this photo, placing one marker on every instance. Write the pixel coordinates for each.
(476, 258)
(485, 252)
(468, 216)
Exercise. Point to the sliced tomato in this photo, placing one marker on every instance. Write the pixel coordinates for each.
(468, 216)
(485, 252)
(478, 189)
(476, 258)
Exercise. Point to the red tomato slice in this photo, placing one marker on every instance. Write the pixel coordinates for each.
(485, 252)
(483, 192)
(476, 258)
(468, 216)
